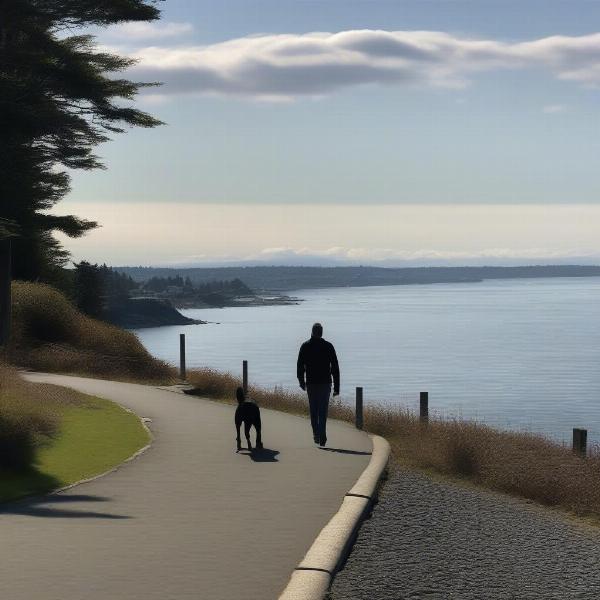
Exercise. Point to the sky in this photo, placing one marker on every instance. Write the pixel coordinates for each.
(354, 132)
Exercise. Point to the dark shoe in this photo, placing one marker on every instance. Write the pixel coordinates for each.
(322, 442)
(316, 438)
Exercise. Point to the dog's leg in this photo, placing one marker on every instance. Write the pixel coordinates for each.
(258, 427)
(247, 432)
(238, 424)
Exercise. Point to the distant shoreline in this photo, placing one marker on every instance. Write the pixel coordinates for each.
(280, 280)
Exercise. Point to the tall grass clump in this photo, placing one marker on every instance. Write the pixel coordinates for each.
(27, 421)
(50, 334)
(521, 464)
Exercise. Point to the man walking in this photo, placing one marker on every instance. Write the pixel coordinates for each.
(317, 364)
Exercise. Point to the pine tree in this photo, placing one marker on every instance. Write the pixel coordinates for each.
(59, 98)
(89, 288)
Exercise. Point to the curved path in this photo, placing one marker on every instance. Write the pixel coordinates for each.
(190, 518)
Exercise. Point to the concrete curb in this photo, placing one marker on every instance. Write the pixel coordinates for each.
(313, 576)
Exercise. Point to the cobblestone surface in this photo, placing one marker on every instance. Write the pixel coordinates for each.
(435, 541)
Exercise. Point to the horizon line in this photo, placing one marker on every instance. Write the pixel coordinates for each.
(356, 266)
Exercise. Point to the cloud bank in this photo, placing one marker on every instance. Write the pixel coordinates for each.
(289, 66)
(142, 31)
(390, 257)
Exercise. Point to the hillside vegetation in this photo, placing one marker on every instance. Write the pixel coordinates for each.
(52, 436)
(50, 334)
(28, 420)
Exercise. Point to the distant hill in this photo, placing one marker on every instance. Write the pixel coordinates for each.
(282, 279)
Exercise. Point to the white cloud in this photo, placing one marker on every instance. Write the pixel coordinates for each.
(554, 108)
(140, 31)
(395, 257)
(387, 257)
(287, 66)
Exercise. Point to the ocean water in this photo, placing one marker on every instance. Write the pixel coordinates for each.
(516, 354)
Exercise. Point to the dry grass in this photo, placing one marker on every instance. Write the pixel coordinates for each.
(222, 386)
(521, 464)
(28, 419)
(49, 334)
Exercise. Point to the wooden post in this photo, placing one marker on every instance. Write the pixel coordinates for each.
(580, 441)
(424, 407)
(245, 376)
(359, 408)
(182, 356)
(5, 297)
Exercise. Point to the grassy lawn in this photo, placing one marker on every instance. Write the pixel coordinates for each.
(95, 435)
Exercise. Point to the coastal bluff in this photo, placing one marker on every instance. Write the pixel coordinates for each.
(136, 313)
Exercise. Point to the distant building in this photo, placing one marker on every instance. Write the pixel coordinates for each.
(174, 289)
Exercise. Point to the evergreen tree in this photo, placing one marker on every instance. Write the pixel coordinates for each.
(59, 98)
(89, 288)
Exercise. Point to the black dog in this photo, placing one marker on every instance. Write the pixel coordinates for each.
(247, 413)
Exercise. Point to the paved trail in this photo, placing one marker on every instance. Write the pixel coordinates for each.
(188, 519)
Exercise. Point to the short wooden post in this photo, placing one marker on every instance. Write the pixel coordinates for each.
(182, 374)
(424, 407)
(580, 441)
(245, 376)
(359, 408)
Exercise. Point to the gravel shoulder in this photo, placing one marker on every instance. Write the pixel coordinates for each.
(434, 540)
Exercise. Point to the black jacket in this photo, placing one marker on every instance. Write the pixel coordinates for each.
(318, 361)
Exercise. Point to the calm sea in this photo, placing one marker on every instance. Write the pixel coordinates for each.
(517, 354)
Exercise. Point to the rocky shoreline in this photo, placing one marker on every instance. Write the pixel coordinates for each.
(137, 313)
(254, 300)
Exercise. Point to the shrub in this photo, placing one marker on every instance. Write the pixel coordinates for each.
(50, 334)
(27, 420)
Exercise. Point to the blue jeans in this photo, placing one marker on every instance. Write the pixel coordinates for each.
(318, 400)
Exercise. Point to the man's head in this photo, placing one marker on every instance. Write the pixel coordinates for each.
(317, 330)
